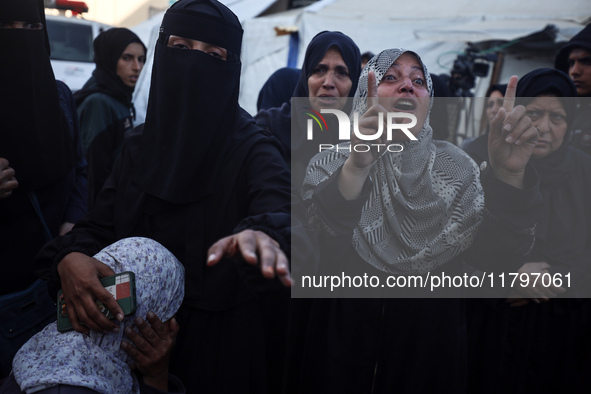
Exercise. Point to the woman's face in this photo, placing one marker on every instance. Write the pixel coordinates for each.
(549, 117)
(493, 104)
(130, 64)
(196, 45)
(329, 84)
(405, 83)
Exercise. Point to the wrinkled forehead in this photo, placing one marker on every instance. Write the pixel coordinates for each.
(334, 53)
(203, 27)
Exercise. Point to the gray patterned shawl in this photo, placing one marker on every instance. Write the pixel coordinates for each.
(426, 202)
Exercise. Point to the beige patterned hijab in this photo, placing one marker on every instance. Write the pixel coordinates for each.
(426, 202)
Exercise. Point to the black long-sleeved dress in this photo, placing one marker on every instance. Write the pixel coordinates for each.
(221, 346)
(545, 347)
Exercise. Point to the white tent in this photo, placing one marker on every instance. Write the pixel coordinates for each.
(437, 30)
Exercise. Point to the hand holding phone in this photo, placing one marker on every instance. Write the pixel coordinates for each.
(121, 286)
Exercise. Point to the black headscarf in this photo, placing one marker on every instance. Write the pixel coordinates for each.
(562, 230)
(555, 167)
(302, 149)
(547, 81)
(482, 143)
(544, 81)
(108, 47)
(501, 87)
(315, 52)
(193, 123)
(580, 40)
(298, 151)
(278, 88)
(34, 136)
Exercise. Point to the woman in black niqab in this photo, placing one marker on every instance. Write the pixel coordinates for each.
(33, 133)
(39, 140)
(198, 173)
(193, 124)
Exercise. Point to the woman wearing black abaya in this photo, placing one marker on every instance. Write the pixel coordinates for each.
(104, 104)
(535, 342)
(40, 160)
(331, 68)
(197, 171)
(330, 71)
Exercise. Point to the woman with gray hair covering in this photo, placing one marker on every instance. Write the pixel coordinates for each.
(416, 211)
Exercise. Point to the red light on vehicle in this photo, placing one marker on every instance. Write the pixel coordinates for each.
(77, 7)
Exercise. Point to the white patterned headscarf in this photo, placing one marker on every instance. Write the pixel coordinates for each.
(97, 361)
(426, 202)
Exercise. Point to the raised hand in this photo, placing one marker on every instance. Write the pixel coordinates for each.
(368, 125)
(511, 140)
(256, 248)
(357, 166)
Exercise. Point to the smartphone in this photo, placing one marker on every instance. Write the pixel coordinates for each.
(121, 286)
